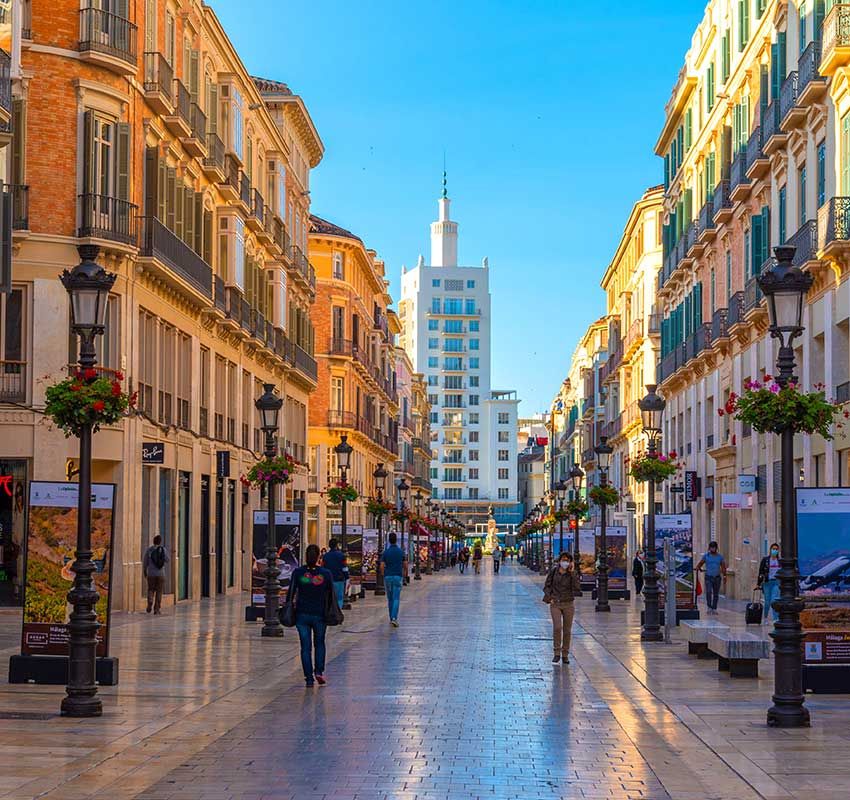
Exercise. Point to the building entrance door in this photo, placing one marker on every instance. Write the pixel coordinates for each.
(205, 535)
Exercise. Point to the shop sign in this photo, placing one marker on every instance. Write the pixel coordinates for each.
(747, 484)
(153, 453)
(692, 486)
(222, 463)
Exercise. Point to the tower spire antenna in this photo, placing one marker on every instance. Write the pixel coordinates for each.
(445, 189)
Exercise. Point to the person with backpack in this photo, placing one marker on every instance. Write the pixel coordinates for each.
(153, 568)
(477, 555)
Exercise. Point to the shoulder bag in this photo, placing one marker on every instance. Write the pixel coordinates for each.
(286, 613)
(333, 613)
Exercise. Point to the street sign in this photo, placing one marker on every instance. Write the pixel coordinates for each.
(153, 453)
(692, 486)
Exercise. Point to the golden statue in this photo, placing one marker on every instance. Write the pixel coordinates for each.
(492, 541)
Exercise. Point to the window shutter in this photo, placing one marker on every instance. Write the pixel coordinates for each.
(199, 245)
(688, 129)
(170, 204)
(782, 53)
(194, 76)
(179, 219)
(188, 216)
(151, 181)
(765, 233)
(820, 13)
(6, 244)
(212, 111)
(774, 70)
(756, 245)
(88, 152)
(207, 235)
(122, 160)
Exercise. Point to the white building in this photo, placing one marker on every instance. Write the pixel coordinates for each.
(446, 319)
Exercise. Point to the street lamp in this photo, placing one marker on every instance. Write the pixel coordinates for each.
(403, 488)
(380, 477)
(651, 410)
(603, 457)
(785, 288)
(417, 576)
(343, 460)
(541, 563)
(561, 491)
(269, 405)
(576, 477)
(88, 286)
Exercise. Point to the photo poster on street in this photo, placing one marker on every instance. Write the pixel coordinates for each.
(568, 543)
(370, 556)
(288, 546)
(587, 554)
(353, 548)
(823, 542)
(616, 537)
(679, 529)
(50, 548)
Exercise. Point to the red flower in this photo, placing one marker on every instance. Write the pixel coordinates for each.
(119, 376)
(767, 378)
(90, 374)
(75, 387)
(116, 389)
(98, 405)
(673, 454)
(134, 398)
(719, 412)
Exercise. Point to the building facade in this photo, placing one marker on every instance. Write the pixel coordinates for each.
(141, 132)
(446, 318)
(357, 394)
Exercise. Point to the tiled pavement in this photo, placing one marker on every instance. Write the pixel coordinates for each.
(460, 702)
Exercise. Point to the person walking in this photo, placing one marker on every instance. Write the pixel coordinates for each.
(768, 582)
(310, 590)
(477, 555)
(335, 562)
(563, 585)
(637, 572)
(497, 558)
(394, 566)
(715, 572)
(463, 559)
(153, 568)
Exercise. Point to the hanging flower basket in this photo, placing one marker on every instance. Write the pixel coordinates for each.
(561, 515)
(379, 508)
(342, 491)
(279, 469)
(577, 508)
(767, 407)
(656, 467)
(401, 516)
(604, 495)
(89, 397)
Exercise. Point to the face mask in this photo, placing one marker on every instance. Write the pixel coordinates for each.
(565, 564)
(774, 551)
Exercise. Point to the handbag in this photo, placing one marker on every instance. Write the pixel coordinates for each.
(333, 613)
(286, 613)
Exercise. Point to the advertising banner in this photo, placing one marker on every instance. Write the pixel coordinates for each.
(823, 536)
(288, 543)
(678, 528)
(370, 555)
(616, 538)
(354, 548)
(587, 554)
(50, 545)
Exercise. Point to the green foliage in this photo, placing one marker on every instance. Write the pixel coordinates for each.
(279, 469)
(342, 491)
(656, 467)
(87, 398)
(604, 495)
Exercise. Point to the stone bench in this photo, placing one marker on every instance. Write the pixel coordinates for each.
(738, 651)
(696, 632)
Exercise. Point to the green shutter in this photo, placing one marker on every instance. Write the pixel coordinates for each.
(764, 86)
(765, 233)
(820, 13)
(782, 58)
(170, 201)
(122, 160)
(756, 245)
(774, 71)
(151, 181)
(688, 129)
(88, 153)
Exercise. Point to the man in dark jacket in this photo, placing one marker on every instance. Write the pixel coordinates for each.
(335, 561)
(637, 572)
(563, 585)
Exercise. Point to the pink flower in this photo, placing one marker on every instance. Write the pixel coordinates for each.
(774, 387)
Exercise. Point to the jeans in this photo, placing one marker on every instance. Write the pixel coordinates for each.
(392, 583)
(771, 593)
(712, 590)
(311, 631)
(339, 590)
(638, 586)
(496, 565)
(155, 584)
(461, 566)
(562, 626)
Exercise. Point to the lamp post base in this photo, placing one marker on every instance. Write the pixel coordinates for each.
(652, 636)
(380, 592)
(272, 632)
(85, 706)
(794, 716)
(417, 577)
(604, 607)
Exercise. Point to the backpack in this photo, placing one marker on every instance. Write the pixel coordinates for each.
(158, 556)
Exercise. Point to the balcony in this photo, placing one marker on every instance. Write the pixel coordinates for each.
(614, 427)
(104, 217)
(739, 183)
(159, 83)
(195, 143)
(219, 296)
(108, 40)
(5, 96)
(698, 341)
(213, 163)
(654, 325)
(179, 122)
(245, 191)
(835, 40)
(634, 336)
(842, 392)
(229, 183)
(811, 85)
(340, 347)
(719, 325)
(772, 134)
(758, 163)
(305, 363)
(20, 197)
(722, 203)
(588, 456)
(735, 313)
(834, 227)
(791, 114)
(752, 295)
(13, 381)
(805, 240)
(691, 246)
(342, 419)
(706, 221)
(257, 213)
(189, 273)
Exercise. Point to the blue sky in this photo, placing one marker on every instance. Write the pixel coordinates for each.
(548, 111)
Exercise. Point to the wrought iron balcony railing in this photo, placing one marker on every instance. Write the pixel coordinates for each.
(107, 33)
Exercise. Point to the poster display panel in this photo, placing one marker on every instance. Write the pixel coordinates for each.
(679, 529)
(288, 543)
(370, 555)
(823, 536)
(354, 549)
(50, 546)
(587, 554)
(616, 537)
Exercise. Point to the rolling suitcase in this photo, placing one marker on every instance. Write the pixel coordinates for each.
(755, 610)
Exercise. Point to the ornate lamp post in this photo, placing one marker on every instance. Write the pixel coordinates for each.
(603, 456)
(403, 488)
(417, 575)
(269, 405)
(343, 460)
(380, 477)
(561, 490)
(88, 286)
(785, 288)
(576, 477)
(541, 561)
(651, 409)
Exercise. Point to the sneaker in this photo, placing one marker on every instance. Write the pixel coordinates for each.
(394, 623)
(308, 683)
(150, 608)
(320, 679)
(556, 659)
(565, 659)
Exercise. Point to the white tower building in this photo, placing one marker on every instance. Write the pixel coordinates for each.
(445, 313)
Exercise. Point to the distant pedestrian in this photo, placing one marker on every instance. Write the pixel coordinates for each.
(637, 572)
(463, 559)
(336, 562)
(715, 572)
(477, 555)
(563, 585)
(394, 566)
(310, 590)
(768, 582)
(497, 559)
(153, 567)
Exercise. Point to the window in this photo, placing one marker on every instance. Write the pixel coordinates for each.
(473, 492)
(184, 379)
(435, 305)
(503, 494)
(339, 266)
(433, 380)
(453, 305)
(452, 494)
(433, 417)
(473, 381)
(845, 155)
(473, 418)
(434, 473)
(503, 473)
(453, 474)
(821, 173)
(743, 23)
(473, 325)
(453, 363)
(473, 344)
(453, 382)
(169, 38)
(709, 95)
(470, 306)
(433, 324)
(435, 283)
(783, 212)
(473, 399)
(453, 326)
(802, 25)
(473, 474)
(473, 437)
(503, 455)
(473, 362)
(473, 455)
(502, 436)
(504, 418)
(725, 58)
(748, 254)
(453, 285)
(453, 345)
(433, 399)
(433, 343)
(801, 191)
(337, 394)
(470, 284)
(433, 362)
